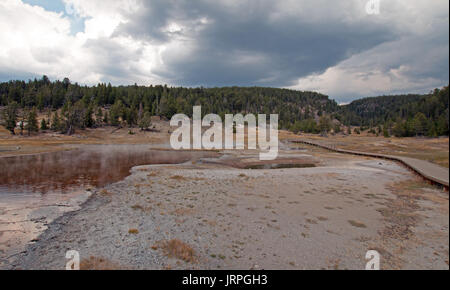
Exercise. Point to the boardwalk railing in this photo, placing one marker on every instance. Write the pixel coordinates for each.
(438, 177)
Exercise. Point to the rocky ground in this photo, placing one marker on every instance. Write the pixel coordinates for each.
(205, 215)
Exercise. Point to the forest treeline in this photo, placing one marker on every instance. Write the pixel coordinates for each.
(70, 106)
(401, 115)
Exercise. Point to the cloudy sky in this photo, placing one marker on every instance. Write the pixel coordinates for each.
(333, 47)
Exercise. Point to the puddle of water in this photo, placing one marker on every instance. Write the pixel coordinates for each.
(91, 166)
(36, 189)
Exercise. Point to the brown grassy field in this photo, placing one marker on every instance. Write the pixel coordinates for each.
(435, 150)
(98, 264)
(50, 141)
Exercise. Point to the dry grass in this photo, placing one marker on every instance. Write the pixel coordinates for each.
(178, 177)
(139, 185)
(435, 150)
(401, 216)
(137, 206)
(105, 192)
(357, 224)
(176, 249)
(182, 212)
(4, 132)
(133, 231)
(410, 185)
(332, 175)
(96, 263)
(51, 142)
(211, 223)
(141, 208)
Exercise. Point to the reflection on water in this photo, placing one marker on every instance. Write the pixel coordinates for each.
(31, 186)
(95, 166)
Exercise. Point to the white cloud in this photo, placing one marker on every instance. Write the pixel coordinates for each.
(331, 47)
(36, 42)
(417, 61)
(103, 17)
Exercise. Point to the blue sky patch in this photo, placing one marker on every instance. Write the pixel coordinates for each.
(58, 6)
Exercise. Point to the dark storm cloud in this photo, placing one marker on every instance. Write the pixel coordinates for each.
(109, 57)
(333, 47)
(240, 47)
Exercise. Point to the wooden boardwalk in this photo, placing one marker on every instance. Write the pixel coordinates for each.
(433, 173)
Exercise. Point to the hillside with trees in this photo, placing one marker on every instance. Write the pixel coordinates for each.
(70, 106)
(132, 105)
(403, 116)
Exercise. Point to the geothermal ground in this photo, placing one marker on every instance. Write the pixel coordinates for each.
(211, 213)
(309, 209)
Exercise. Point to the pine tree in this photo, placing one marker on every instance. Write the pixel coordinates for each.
(442, 125)
(420, 124)
(386, 132)
(44, 125)
(324, 124)
(88, 122)
(337, 128)
(145, 121)
(432, 131)
(10, 116)
(99, 116)
(106, 118)
(32, 123)
(56, 122)
(116, 112)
